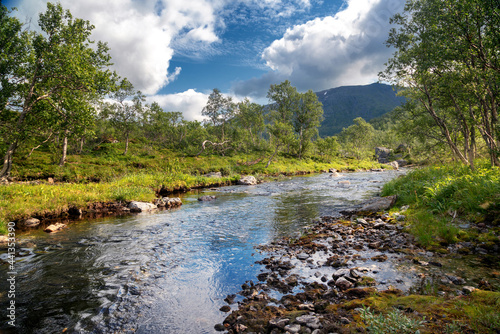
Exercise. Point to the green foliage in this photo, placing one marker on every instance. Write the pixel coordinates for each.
(328, 147)
(62, 73)
(448, 187)
(357, 140)
(395, 322)
(439, 193)
(446, 55)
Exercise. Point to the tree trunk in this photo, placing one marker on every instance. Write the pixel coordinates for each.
(64, 149)
(82, 141)
(7, 160)
(272, 156)
(126, 146)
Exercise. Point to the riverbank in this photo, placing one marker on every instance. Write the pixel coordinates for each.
(46, 192)
(368, 273)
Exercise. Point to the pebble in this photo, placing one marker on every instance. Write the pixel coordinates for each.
(302, 256)
(295, 328)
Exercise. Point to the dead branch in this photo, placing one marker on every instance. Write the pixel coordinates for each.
(212, 143)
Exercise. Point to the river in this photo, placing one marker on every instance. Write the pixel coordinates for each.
(166, 272)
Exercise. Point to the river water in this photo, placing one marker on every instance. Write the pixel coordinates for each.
(166, 272)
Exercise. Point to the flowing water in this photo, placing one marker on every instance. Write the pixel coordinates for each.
(166, 272)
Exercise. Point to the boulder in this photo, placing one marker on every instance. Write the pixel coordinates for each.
(303, 256)
(30, 222)
(378, 204)
(382, 154)
(248, 180)
(294, 328)
(335, 174)
(341, 273)
(206, 198)
(402, 162)
(332, 170)
(343, 284)
(309, 321)
(141, 206)
(393, 164)
(279, 322)
(172, 202)
(54, 227)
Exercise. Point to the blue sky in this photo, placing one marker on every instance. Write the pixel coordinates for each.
(177, 51)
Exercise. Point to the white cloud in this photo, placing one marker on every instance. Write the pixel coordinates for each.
(344, 49)
(190, 103)
(140, 33)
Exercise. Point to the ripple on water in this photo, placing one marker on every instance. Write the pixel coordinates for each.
(168, 272)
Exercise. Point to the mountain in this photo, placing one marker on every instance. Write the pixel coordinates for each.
(342, 105)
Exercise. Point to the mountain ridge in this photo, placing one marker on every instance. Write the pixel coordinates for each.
(341, 105)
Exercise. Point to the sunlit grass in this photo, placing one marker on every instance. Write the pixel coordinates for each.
(106, 175)
(442, 196)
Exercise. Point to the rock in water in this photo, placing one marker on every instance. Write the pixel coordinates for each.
(54, 227)
(206, 198)
(248, 180)
(141, 206)
(30, 222)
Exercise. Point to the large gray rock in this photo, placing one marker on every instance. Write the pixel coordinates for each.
(393, 164)
(402, 162)
(378, 204)
(248, 180)
(382, 154)
(342, 283)
(309, 321)
(142, 206)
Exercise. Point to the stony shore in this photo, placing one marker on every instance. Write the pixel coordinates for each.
(318, 282)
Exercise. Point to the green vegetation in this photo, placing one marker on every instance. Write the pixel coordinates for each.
(107, 175)
(443, 198)
(383, 313)
(394, 322)
(447, 59)
(343, 104)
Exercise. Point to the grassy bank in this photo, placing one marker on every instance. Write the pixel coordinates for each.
(107, 175)
(445, 201)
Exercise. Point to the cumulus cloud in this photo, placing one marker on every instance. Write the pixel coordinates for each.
(190, 103)
(344, 49)
(140, 33)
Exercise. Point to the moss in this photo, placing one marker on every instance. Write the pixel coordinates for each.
(366, 281)
(477, 312)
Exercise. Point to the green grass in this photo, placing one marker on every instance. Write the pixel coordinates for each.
(444, 197)
(106, 175)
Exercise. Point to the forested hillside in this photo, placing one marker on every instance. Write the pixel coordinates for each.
(342, 105)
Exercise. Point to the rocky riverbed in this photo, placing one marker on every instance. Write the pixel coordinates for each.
(309, 280)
